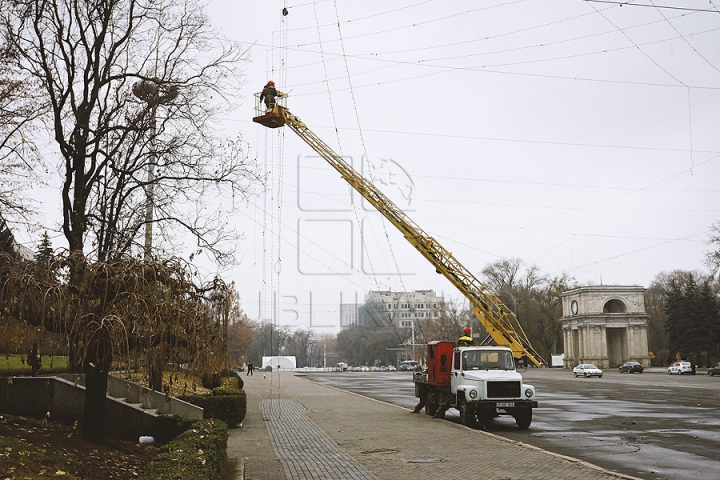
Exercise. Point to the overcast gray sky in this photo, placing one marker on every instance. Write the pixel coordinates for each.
(583, 137)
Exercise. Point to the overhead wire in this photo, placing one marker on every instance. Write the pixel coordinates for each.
(448, 68)
(384, 225)
(643, 52)
(517, 140)
(417, 24)
(375, 15)
(685, 86)
(669, 7)
(688, 88)
(621, 195)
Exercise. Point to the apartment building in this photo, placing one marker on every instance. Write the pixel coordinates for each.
(401, 309)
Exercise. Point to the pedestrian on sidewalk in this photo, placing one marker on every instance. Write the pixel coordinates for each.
(250, 368)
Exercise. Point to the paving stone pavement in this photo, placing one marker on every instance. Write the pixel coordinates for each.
(296, 429)
(304, 450)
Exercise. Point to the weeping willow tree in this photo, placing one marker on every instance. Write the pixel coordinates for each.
(129, 312)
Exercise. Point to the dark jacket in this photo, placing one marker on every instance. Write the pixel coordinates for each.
(34, 357)
(268, 91)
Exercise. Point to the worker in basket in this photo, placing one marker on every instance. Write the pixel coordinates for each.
(268, 95)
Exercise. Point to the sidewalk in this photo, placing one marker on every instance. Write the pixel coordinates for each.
(298, 429)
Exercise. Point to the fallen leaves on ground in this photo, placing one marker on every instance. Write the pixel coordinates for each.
(36, 449)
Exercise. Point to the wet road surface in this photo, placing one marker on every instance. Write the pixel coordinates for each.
(651, 425)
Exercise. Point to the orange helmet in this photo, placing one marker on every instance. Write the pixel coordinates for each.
(270, 82)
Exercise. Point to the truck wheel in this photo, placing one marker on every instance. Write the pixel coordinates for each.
(523, 418)
(467, 416)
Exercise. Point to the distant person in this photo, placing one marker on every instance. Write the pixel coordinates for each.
(34, 360)
(268, 95)
(250, 368)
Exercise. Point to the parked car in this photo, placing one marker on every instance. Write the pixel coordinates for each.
(631, 367)
(681, 367)
(714, 370)
(408, 365)
(587, 370)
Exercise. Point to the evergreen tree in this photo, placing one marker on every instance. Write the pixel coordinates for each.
(674, 318)
(45, 252)
(692, 320)
(708, 333)
(7, 240)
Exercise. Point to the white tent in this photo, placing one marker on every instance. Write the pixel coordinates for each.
(282, 362)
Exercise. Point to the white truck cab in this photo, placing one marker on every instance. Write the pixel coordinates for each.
(483, 384)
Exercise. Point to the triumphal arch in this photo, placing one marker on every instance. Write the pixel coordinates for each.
(605, 325)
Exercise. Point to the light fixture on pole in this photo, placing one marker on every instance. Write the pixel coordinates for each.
(154, 94)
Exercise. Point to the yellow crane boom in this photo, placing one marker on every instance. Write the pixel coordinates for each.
(500, 322)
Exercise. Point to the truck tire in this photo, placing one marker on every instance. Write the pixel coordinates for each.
(523, 418)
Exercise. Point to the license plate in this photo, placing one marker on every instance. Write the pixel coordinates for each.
(504, 404)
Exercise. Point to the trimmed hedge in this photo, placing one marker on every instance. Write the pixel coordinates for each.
(170, 426)
(227, 403)
(199, 453)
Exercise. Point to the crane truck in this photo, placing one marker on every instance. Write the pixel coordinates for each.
(458, 386)
(479, 381)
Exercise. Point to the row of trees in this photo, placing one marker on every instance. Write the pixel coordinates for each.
(124, 95)
(535, 298)
(682, 307)
(684, 317)
(251, 341)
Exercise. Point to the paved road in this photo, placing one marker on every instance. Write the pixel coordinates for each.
(651, 425)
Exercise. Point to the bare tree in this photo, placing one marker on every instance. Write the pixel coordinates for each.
(117, 144)
(134, 87)
(20, 106)
(712, 257)
(447, 323)
(534, 298)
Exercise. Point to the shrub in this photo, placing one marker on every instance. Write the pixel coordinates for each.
(211, 380)
(226, 403)
(200, 452)
(170, 426)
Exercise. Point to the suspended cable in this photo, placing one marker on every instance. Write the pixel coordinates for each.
(621, 30)
(367, 159)
(669, 7)
(375, 15)
(417, 24)
(486, 69)
(327, 83)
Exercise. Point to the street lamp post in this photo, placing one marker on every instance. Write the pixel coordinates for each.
(154, 94)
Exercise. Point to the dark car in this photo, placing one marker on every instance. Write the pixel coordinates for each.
(631, 367)
(712, 371)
